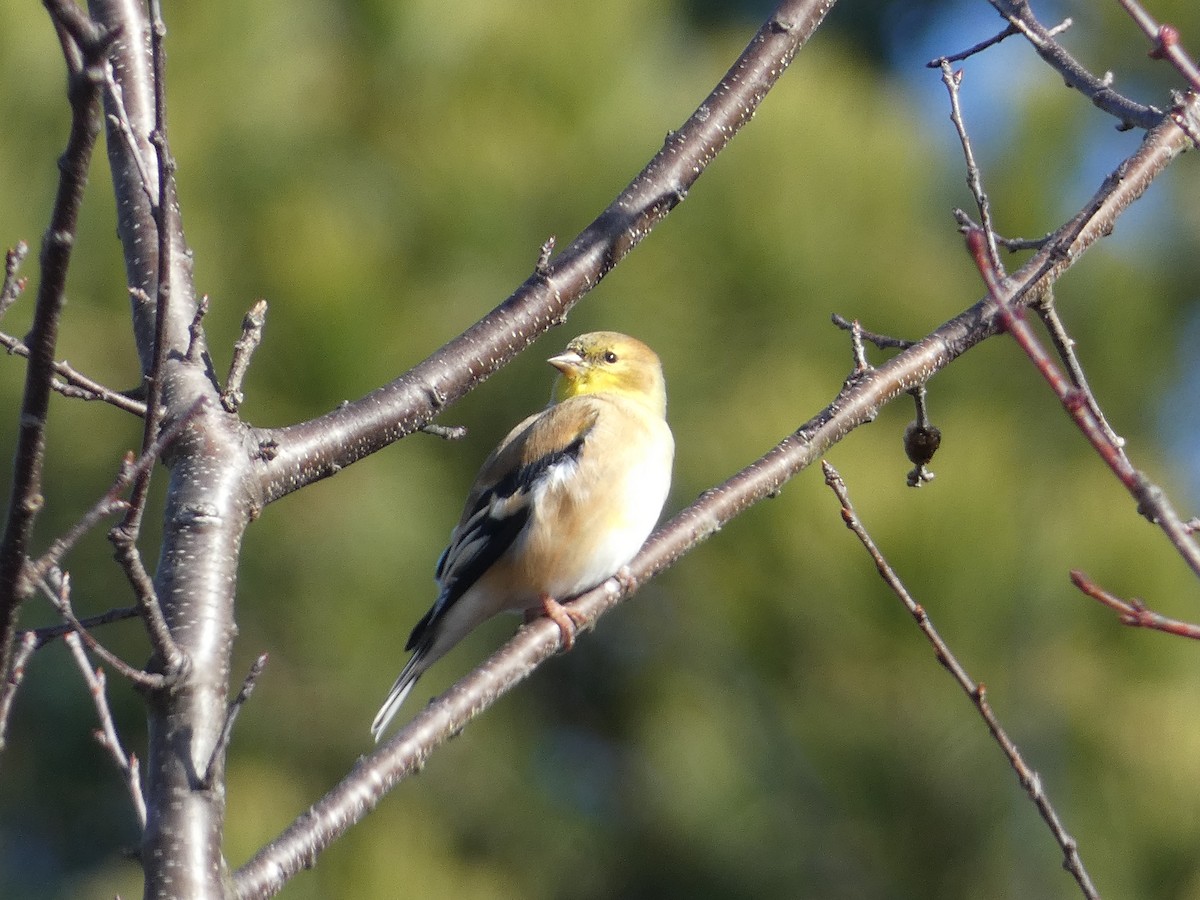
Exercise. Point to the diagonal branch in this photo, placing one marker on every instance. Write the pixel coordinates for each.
(975, 691)
(1129, 113)
(307, 452)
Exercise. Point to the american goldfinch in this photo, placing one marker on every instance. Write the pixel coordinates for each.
(563, 503)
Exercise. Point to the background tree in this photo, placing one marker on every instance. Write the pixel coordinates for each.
(760, 717)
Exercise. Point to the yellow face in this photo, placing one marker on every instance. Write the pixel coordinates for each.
(609, 362)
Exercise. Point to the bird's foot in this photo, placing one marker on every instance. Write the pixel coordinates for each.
(568, 620)
(625, 580)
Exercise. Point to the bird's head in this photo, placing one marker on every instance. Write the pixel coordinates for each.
(610, 362)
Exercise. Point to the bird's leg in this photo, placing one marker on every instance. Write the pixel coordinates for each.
(568, 621)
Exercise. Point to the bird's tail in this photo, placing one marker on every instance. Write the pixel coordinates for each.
(404, 683)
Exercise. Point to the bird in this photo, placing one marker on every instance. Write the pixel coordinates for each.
(563, 503)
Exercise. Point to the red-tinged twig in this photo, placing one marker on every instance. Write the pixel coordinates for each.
(975, 691)
(106, 735)
(218, 753)
(57, 588)
(243, 351)
(1152, 501)
(1134, 612)
(1165, 39)
(1063, 343)
(26, 644)
(952, 80)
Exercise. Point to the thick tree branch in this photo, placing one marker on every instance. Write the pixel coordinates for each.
(210, 495)
(301, 454)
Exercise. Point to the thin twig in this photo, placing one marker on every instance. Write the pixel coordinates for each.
(57, 588)
(965, 223)
(882, 341)
(84, 46)
(952, 80)
(1165, 39)
(13, 284)
(243, 351)
(174, 661)
(8, 691)
(542, 266)
(48, 633)
(162, 211)
(445, 432)
(106, 735)
(218, 753)
(977, 48)
(195, 349)
(120, 120)
(975, 691)
(74, 383)
(859, 352)
(1134, 612)
(111, 502)
(1064, 345)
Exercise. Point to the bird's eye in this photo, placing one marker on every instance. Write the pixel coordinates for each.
(610, 357)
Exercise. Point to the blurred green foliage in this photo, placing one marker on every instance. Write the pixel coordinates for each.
(763, 720)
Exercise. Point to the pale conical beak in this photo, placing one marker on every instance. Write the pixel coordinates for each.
(568, 362)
